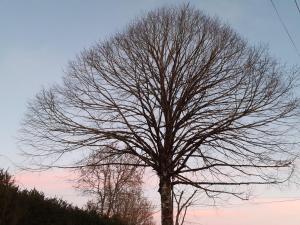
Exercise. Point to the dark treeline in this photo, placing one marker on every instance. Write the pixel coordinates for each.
(30, 207)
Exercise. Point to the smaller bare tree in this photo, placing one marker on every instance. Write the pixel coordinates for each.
(183, 200)
(116, 188)
(134, 208)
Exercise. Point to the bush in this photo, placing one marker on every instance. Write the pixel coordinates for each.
(31, 207)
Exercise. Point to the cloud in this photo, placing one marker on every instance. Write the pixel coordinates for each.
(53, 183)
(270, 212)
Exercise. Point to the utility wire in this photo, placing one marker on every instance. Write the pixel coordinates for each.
(249, 204)
(285, 27)
(297, 5)
(203, 205)
(192, 222)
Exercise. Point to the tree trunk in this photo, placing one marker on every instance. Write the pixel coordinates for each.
(165, 190)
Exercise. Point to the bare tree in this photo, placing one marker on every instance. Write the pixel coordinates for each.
(116, 189)
(182, 204)
(135, 209)
(183, 93)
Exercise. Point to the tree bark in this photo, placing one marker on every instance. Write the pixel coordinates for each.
(165, 190)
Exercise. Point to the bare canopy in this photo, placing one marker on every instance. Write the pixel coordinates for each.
(181, 92)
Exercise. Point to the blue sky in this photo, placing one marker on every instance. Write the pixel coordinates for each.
(38, 38)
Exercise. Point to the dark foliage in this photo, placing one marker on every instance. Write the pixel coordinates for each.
(23, 207)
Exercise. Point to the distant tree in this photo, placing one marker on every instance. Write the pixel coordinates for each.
(8, 190)
(116, 188)
(6, 180)
(183, 93)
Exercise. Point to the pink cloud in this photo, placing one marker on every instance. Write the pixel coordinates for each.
(47, 180)
(53, 183)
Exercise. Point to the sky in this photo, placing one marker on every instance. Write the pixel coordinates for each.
(38, 38)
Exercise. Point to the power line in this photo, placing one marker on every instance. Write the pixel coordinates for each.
(285, 27)
(192, 222)
(292, 199)
(297, 5)
(250, 203)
